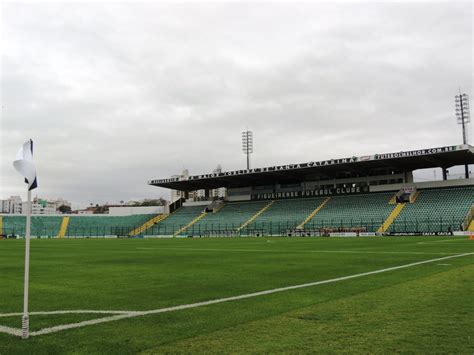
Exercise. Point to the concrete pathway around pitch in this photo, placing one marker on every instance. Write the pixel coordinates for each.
(117, 315)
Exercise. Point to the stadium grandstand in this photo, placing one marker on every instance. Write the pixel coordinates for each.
(367, 195)
(374, 194)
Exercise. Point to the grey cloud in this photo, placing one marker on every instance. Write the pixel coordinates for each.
(116, 94)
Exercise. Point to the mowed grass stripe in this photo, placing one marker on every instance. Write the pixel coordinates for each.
(233, 298)
(235, 250)
(111, 274)
(432, 314)
(170, 278)
(177, 278)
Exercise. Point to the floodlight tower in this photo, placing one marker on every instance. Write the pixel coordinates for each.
(463, 116)
(247, 145)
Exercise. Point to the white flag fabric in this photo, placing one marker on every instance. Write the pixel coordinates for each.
(24, 164)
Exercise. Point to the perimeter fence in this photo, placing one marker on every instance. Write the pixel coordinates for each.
(320, 227)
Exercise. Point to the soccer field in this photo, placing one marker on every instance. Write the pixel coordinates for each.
(403, 294)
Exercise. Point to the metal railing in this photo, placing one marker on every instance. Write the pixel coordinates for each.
(401, 225)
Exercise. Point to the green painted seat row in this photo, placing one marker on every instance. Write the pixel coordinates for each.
(366, 211)
(285, 215)
(42, 226)
(49, 226)
(175, 221)
(228, 218)
(105, 225)
(436, 210)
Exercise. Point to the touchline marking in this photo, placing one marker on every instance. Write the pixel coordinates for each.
(132, 314)
(445, 241)
(302, 251)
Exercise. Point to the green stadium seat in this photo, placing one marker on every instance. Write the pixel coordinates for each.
(228, 218)
(175, 221)
(284, 215)
(103, 225)
(41, 226)
(367, 211)
(435, 211)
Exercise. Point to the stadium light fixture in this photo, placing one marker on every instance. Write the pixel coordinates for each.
(247, 145)
(463, 117)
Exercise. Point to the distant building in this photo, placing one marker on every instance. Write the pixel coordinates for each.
(58, 203)
(40, 206)
(12, 205)
(220, 192)
(86, 211)
(175, 194)
(198, 195)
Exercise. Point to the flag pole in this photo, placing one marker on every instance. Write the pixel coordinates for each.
(23, 163)
(25, 322)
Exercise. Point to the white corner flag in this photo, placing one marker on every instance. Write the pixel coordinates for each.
(24, 165)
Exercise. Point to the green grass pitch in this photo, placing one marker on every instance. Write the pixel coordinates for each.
(427, 308)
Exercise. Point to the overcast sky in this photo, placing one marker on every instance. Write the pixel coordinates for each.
(116, 94)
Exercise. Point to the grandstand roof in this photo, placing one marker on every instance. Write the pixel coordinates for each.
(443, 157)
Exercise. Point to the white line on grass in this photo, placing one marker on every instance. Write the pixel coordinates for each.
(133, 314)
(11, 331)
(301, 251)
(59, 328)
(78, 311)
(445, 241)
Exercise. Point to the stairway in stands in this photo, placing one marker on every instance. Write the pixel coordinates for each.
(190, 224)
(176, 220)
(285, 215)
(311, 216)
(229, 217)
(64, 225)
(148, 224)
(257, 215)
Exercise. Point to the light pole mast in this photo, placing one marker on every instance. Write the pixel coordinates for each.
(247, 145)
(463, 117)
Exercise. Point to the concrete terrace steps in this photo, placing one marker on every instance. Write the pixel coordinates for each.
(255, 216)
(64, 225)
(388, 222)
(471, 226)
(310, 217)
(148, 224)
(197, 219)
